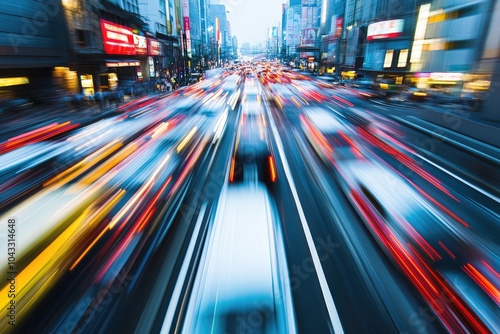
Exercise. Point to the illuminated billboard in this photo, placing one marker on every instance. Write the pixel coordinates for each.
(117, 39)
(385, 29)
(153, 47)
(141, 46)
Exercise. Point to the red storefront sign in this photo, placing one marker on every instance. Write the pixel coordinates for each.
(186, 23)
(117, 39)
(338, 26)
(154, 48)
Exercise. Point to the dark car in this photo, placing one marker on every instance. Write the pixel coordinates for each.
(253, 159)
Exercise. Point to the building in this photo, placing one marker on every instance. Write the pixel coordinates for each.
(219, 35)
(448, 41)
(390, 36)
(109, 46)
(331, 29)
(33, 45)
(293, 30)
(310, 39)
(484, 78)
(162, 23)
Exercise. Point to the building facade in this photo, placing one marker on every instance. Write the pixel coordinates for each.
(33, 45)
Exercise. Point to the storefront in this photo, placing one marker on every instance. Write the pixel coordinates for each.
(127, 51)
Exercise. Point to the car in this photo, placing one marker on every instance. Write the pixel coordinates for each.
(331, 138)
(414, 94)
(253, 158)
(242, 269)
(212, 120)
(429, 246)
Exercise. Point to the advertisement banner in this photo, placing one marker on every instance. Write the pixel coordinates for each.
(339, 25)
(141, 46)
(186, 24)
(385, 29)
(308, 37)
(154, 48)
(187, 29)
(117, 39)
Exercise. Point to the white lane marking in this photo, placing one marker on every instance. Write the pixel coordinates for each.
(446, 139)
(325, 289)
(176, 294)
(484, 192)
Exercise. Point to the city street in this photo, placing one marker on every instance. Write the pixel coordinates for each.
(250, 203)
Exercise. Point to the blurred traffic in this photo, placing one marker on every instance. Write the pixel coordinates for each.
(260, 199)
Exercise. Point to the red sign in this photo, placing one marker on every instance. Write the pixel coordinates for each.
(153, 47)
(339, 24)
(186, 23)
(117, 39)
(123, 64)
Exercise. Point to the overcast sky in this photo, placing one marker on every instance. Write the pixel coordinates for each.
(250, 19)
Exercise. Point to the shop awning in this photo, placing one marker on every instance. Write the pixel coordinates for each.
(122, 63)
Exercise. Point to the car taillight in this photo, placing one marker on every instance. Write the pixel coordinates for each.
(272, 168)
(231, 170)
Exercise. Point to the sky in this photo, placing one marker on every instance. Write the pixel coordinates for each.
(250, 19)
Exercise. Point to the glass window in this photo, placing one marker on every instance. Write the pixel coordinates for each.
(403, 58)
(388, 58)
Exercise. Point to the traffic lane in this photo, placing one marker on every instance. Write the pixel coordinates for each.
(309, 302)
(147, 307)
(442, 233)
(27, 168)
(466, 205)
(350, 284)
(87, 277)
(472, 167)
(363, 267)
(462, 160)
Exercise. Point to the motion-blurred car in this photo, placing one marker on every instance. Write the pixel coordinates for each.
(331, 138)
(414, 94)
(438, 254)
(282, 96)
(212, 120)
(241, 265)
(253, 158)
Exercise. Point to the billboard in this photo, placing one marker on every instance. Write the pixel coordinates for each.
(141, 46)
(385, 29)
(117, 39)
(153, 47)
(308, 37)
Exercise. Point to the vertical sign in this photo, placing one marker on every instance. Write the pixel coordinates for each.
(187, 30)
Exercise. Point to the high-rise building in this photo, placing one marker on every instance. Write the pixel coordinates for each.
(390, 31)
(219, 32)
(131, 6)
(332, 27)
(309, 35)
(293, 30)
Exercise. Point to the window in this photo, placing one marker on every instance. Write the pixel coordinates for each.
(388, 58)
(455, 45)
(81, 39)
(403, 58)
